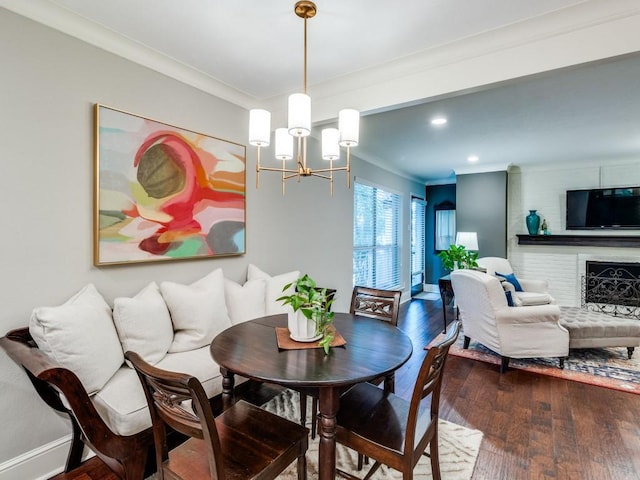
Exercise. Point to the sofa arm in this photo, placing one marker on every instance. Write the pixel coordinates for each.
(125, 455)
(536, 286)
(530, 314)
(532, 331)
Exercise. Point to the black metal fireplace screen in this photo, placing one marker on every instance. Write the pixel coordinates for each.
(612, 288)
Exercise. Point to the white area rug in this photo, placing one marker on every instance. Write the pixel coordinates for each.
(459, 448)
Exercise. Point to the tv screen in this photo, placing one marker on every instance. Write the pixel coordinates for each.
(609, 208)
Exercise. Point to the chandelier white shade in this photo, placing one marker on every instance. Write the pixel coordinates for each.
(330, 145)
(284, 144)
(299, 115)
(299, 127)
(349, 125)
(259, 127)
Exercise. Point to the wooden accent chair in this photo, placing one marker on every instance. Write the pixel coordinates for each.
(243, 442)
(390, 430)
(369, 302)
(61, 389)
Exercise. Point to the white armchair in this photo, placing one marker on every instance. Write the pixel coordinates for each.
(535, 292)
(511, 332)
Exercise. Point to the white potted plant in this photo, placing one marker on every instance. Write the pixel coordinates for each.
(310, 317)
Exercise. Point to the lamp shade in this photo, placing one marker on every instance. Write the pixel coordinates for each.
(349, 125)
(259, 127)
(469, 240)
(299, 115)
(284, 144)
(330, 147)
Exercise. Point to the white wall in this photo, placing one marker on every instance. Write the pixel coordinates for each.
(49, 84)
(544, 189)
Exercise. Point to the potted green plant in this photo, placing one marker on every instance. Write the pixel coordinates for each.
(314, 304)
(457, 256)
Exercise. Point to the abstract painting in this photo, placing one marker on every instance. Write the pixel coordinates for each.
(164, 193)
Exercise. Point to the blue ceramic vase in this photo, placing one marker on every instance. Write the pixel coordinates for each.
(533, 222)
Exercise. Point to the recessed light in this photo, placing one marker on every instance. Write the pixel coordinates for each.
(438, 121)
(473, 158)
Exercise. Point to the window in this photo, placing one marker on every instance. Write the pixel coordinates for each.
(445, 231)
(418, 207)
(376, 237)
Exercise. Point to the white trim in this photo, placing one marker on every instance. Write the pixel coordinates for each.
(584, 32)
(40, 463)
(431, 288)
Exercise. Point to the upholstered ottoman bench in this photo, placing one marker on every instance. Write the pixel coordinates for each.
(588, 329)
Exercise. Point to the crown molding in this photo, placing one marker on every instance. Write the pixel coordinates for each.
(582, 33)
(588, 31)
(493, 167)
(65, 21)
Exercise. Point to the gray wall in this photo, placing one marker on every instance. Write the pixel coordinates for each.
(50, 82)
(487, 216)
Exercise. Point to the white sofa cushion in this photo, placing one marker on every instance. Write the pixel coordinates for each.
(274, 287)
(80, 336)
(198, 311)
(121, 402)
(245, 302)
(144, 324)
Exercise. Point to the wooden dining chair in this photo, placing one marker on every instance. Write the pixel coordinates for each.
(391, 430)
(243, 442)
(369, 302)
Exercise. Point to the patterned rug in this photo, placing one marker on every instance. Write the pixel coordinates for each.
(459, 448)
(604, 367)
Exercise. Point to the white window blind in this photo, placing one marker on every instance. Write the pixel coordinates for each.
(418, 207)
(376, 237)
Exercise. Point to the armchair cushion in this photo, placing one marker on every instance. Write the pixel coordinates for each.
(510, 302)
(79, 335)
(511, 278)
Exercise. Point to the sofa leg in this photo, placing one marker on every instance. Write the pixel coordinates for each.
(504, 365)
(630, 351)
(561, 362)
(466, 342)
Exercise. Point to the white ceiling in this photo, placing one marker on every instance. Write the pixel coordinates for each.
(400, 63)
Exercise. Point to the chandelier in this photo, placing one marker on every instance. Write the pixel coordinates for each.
(299, 128)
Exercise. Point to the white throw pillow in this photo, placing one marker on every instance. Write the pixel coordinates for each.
(274, 287)
(198, 311)
(80, 336)
(245, 302)
(144, 324)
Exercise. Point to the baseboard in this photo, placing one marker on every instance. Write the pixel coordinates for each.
(428, 287)
(40, 463)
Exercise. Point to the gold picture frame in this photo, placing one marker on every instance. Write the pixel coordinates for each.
(165, 193)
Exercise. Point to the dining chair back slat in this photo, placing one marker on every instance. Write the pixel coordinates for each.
(375, 303)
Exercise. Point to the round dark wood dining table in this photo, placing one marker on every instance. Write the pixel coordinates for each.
(250, 349)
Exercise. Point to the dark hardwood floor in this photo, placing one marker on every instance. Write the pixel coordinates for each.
(535, 427)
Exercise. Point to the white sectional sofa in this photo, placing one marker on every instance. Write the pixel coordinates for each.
(81, 345)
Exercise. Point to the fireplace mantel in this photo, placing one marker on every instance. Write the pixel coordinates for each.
(628, 241)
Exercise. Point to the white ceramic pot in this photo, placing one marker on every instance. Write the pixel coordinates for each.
(301, 329)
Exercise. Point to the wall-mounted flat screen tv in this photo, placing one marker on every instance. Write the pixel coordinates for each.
(603, 208)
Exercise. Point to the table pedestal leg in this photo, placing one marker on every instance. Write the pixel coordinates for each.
(329, 400)
(228, 382)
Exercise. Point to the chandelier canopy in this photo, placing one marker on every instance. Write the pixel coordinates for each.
(299, 128)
